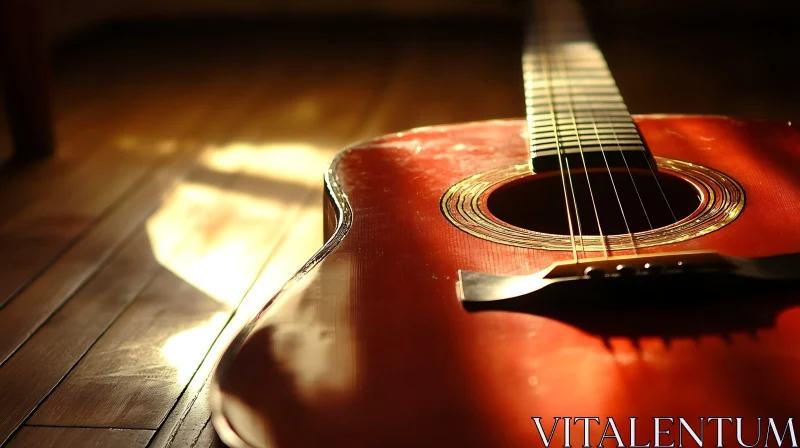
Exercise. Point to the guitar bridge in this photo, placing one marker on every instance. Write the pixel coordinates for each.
(617, 280)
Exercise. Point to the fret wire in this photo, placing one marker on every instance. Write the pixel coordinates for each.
(563, 107)
(628, 139)
(585, 168)
(620, 116)
(603, 125)
(611, 100)
(584, 129)
(579, 72)
(542, 149)
(586, 138)
(544, 135)
(582, 94)
(574, 143)
(586, 106)
(563, 70)
(542, 143)
(584, 120)
(528, 75)
(594, 97)
(590, 150)
(583, 133)
(600, 82)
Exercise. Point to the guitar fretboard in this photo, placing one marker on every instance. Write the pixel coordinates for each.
(574, 110)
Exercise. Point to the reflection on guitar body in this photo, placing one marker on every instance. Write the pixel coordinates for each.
(578, 262)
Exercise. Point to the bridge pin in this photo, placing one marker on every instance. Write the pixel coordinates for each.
(686, 268)
(626, 269)
(652, 268)
(593, 272)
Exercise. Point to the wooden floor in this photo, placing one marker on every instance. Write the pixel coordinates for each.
(186, 189)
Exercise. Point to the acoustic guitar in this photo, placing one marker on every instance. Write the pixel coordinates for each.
(580, 277)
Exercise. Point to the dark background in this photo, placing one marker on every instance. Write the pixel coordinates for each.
(711, 57)
(733, 58)
(215, 119)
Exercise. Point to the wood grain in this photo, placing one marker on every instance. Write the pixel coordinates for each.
(46, 226)
(307, 89)
(44, 437)
(23, 315)
(189, 421)
(89, 118)
(371, 347)
(229, 243)
(108, 146)
(222, 102)
(31, 374)
(64, 339)
(129, 379)
(446, 69)
(262, 125)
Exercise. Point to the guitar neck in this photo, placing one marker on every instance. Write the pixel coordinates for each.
(575, 113)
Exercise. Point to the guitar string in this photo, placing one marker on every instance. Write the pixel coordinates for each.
(528, 83)
(575, 204)
(528, 74)
(611, 177)
(547, 69)
(653, 172)
(571, 109)
(547, 73)
(592, 110)
(628, 168)
(593, 113)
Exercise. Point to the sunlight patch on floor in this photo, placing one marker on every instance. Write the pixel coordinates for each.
(184, 350)
(289, 162)
(204, 233)
(217, 235)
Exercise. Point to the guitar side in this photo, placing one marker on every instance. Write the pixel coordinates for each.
(369, 346)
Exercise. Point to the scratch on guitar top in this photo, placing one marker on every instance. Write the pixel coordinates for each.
(677, 134)
(401, 144)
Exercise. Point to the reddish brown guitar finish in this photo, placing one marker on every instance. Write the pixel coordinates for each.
(370, 347)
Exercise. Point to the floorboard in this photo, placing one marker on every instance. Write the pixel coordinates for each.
(41, 363)
(190, 418)
(102, 123)
(250, 191)
(42, 436)
(187, 191)
(188, 424)
(72, 203)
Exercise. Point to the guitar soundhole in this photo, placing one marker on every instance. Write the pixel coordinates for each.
(639, 198)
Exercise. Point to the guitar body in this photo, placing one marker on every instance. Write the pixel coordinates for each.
(369, 344)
